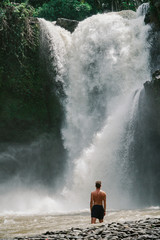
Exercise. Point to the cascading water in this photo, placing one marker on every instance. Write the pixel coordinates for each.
(102, 67)
(143, 9)
(103, 58)
(108, 61)
(55, 42)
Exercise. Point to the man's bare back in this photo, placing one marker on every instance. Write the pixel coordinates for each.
(98, 204)
(98, 197)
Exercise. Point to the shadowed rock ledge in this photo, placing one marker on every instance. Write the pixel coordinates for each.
(67, 24)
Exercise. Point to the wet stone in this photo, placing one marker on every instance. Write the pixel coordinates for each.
(136, 230)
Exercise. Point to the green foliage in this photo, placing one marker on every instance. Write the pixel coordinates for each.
(38, 3)
(72, 9)
(128, 6)
(25, 109)
(96, 6)
(76, 9)
(34, 3)
(18, 39)
(84, 10)
(79, 10)
(14, 21)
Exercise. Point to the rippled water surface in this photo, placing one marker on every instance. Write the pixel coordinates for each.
(13, 225)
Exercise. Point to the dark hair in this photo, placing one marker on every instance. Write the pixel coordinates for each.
(98, 184)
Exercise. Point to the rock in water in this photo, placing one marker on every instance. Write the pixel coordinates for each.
(68, 24)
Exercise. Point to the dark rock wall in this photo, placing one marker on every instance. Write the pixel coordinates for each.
(153, 18)
(144, 151)
(153, 15)
(154, 39)
(31, 113)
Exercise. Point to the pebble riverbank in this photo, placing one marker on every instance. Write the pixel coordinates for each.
(131, 230)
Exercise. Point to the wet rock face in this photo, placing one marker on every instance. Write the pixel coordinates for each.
(155, 50)
(134, 230)
(153, 15)
(145, 150)
(153, 87)
(68, 24)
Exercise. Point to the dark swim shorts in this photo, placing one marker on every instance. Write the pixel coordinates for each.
(97, 212)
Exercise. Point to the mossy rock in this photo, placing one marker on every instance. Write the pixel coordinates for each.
(29, 105)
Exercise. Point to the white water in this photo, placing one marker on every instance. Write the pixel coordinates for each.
(101, 65)
(143, 9)
(108, 58)
(108, 61)
(55, 42)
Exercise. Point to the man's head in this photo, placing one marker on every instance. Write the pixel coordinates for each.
(98, 184)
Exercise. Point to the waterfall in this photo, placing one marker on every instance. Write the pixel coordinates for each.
(102, 66)
(143, 9)
(107, 158)
(108, 61)
(55, 42)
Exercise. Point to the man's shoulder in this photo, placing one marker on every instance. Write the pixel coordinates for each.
(103, 192)
(93, 192)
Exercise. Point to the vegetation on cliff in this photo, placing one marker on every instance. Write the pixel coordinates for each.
(76, 9)
(27, 105)
(79, 10)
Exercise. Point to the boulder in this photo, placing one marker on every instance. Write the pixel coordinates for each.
(68, 24)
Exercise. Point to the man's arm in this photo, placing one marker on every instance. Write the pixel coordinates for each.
(91, 201)
(104, 203)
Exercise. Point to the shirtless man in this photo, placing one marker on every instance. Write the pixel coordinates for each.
(98, 203)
